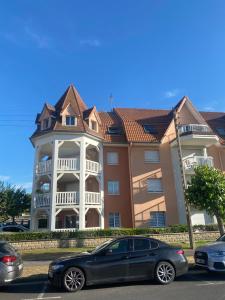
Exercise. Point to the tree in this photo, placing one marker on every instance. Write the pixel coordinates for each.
(206, 191)
(18, 201)
(13, 201)
(3, 203)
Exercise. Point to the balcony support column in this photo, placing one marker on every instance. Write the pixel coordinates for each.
(82, 184)
(102, 225)
(53, 185)
(205, 152)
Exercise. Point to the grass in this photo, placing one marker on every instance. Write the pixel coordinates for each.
(186, 245)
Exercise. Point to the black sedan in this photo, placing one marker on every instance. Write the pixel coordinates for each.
(124, 259)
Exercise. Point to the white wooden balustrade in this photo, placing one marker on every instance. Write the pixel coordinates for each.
(44, 167)
(92, 166)
(92, 198)
(193, 161)
(42, 200)
(68, 164)
(194, 128)
(67, 198)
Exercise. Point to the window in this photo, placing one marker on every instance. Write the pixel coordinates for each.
(221, 131)
(141, 244)
(70, 120)
(45, 123)
(157, 219)
(113, 187)
(112, 158)
(154, 185)
(42, 223)
(94, 125)
(152, 156)
(114, 130)
(149, 128)
(119, 247)
(114, 220)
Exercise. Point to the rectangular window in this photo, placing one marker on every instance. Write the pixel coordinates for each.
(154, 185)
(149, 128)
(141, 244)
(45, 123)
(157, 219)
(221, 131)
(152, 156)
(114, 130)
(113, 187)
(70, 120)
(94, 125)
(112, 158)
(114, 220)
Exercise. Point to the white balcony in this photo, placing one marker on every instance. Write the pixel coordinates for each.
(92, 198)
(199, 128)
(42, 200)
(44, 167)
(67, 198)
(68, 164)
(92, 166)
(198, 135)
(191, 162)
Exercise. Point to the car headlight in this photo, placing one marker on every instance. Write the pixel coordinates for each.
(56, 267)
(217, 253)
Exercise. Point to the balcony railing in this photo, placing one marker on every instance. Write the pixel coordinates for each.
(68, 164)
(193, 161)
(92, 166)
(199, 128)
(67, 198)
(92, 198)
(44, 167)
(42, 200)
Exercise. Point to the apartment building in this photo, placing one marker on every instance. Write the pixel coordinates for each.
(120, 168)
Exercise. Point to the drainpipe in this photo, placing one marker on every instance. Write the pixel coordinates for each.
(131, 184)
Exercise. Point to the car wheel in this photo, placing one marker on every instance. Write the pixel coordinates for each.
(73, 280)
(165, 272)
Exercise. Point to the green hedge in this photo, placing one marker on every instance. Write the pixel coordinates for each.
(23, 236)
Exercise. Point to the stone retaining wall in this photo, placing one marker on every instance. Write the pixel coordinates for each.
(93, 242)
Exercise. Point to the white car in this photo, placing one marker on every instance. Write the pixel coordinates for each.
(211, 256)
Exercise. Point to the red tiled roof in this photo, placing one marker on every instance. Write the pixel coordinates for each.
(134, 119)
(215, 120)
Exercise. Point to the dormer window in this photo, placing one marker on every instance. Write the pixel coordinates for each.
(70, 121)
(94, 125)
(45, 123)
(114, 130)
(149, 129)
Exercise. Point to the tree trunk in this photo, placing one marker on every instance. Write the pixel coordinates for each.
(220, 225)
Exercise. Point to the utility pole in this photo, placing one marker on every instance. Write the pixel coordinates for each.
(184, 183)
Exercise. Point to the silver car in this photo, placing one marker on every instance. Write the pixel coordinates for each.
(211, 256)
(11, 265)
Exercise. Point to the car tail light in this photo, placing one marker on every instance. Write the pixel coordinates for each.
(180, 251)
(8, 259)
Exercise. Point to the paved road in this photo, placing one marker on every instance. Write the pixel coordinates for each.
(197, 284)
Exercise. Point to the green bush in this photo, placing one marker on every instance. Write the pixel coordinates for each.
(25, 236)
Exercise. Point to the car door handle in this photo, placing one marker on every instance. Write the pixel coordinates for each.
(125, 257)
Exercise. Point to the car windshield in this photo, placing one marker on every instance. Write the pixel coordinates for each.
(222, 238)
(102, 246)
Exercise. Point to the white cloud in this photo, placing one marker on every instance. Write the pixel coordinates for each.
(171, 93)
(208, 108)
(90, 42)
(40, 40)
(4, 177)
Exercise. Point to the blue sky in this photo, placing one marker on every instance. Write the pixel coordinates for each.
(146, 53)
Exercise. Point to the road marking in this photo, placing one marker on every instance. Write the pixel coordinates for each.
(210, 283)
(45, 298)
(41, 295)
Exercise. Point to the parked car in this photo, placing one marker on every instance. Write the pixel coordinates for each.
(13, 228)
(211, 256)
(119, 260)
(11, 265)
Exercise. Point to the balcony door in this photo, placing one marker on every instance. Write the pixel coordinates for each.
(71, 221)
